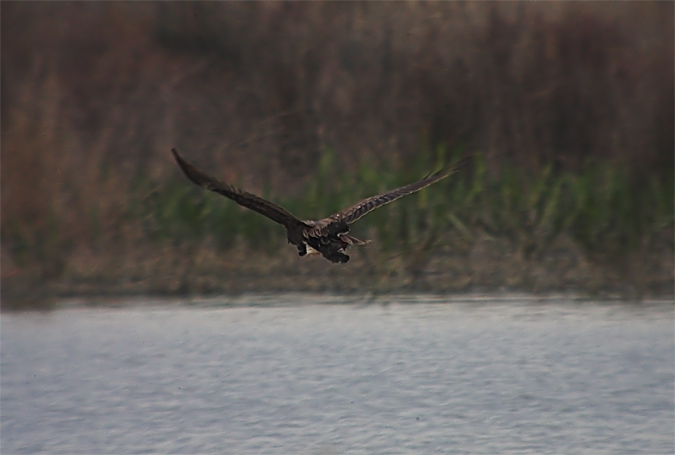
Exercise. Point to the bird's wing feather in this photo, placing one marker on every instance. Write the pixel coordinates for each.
(358, 210)
(241, 197)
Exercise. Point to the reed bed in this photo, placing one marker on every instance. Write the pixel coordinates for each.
(608, 222)
(563, 113)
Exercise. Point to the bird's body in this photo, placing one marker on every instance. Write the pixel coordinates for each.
(329, 236)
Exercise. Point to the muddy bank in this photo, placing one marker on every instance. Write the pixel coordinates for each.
(488, 267)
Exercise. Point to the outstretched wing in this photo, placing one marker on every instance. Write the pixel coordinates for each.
(241, 197)
(356, 211)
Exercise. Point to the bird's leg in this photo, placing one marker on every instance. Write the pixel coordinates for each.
(302, 249)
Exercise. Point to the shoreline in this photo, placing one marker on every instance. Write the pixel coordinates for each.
(270, 298)
(62, 295)
(188, 270)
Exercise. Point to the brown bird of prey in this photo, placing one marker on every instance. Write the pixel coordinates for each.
(329, 236)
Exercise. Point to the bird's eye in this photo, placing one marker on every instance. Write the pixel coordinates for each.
(325, 240)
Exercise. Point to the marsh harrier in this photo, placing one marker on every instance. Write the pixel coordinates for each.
(329, 236)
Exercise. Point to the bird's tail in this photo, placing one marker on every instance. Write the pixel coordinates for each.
(353, 240)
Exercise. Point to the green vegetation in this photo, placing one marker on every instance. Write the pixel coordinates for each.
(604, 220)
(608, 221)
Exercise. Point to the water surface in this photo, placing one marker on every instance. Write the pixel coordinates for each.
(324, 375)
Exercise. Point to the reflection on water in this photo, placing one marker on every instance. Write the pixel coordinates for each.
(329, 375)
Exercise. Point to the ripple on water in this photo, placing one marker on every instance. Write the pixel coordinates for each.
(301, 374)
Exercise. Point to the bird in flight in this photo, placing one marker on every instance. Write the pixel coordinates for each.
(329, 236)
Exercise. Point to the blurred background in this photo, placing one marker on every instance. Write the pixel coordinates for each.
(563, 112)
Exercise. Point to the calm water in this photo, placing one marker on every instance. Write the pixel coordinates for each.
(308, 375)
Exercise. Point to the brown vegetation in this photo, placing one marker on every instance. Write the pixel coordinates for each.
(95, 94)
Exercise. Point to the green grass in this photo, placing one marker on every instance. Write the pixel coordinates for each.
(613, 220)
(605, 214)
